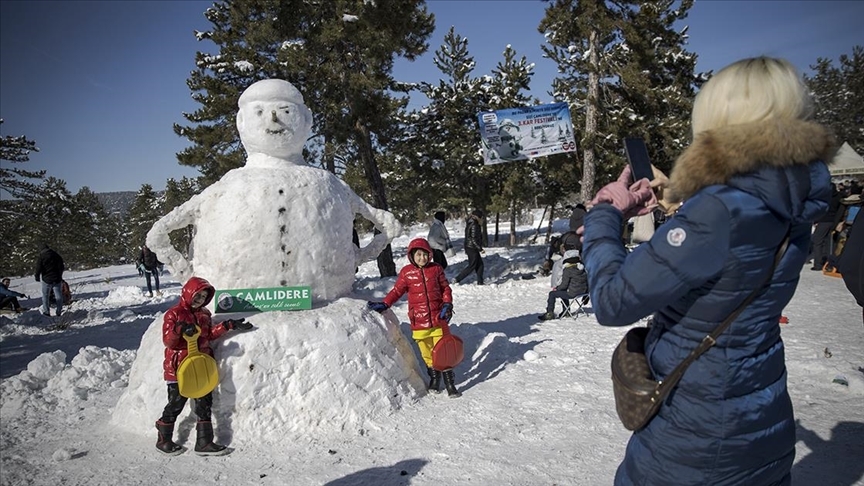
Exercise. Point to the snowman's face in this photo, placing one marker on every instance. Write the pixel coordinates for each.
(274, 127)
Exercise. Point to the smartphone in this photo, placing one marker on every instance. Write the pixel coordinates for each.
(637, 155)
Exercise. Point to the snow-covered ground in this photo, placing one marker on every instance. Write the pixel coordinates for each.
(537, 405)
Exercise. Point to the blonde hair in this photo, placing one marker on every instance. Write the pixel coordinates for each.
(751, 90)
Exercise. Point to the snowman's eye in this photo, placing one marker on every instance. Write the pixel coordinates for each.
(259, 112)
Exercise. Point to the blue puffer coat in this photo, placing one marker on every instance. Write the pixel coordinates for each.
(730, 420)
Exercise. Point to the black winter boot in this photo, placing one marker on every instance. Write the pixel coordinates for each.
(164, 443)
(434, 380)
(204, 445)
(449, 382)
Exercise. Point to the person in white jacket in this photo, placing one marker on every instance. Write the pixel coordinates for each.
(439, 239)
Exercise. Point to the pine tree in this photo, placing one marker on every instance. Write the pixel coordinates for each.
(581, 36)
(52, 205)
(95, 237)
(145, 210)
(656, 85)
(14, 187)
(839, 96)
(177, 193)
(439, 152)
(339, 54)
(621, 61)
(514, 185)
(346, 61)
(13, 181)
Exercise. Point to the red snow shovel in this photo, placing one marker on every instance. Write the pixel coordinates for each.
(448, 351)
(197, 374)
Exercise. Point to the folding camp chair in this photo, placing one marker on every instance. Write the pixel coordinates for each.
(575, 307)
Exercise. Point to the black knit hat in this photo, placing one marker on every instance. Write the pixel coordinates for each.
(440, 216)
(477, 213)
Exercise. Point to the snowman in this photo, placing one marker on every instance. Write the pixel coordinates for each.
(509, 146)
(275, 222)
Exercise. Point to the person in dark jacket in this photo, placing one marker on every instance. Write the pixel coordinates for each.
(755, 173)
(851, 263)
(189, 316)
(430, 307)
(574, 281)
(9, 298)
(823, 234)
(577, 217)
(149, 265)
(473, 247)
(49, 270)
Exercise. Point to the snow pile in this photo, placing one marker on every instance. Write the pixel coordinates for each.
(122, 296)
(330, 370)
(49, 381)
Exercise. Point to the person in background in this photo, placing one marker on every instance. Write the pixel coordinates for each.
(439, 239)
(149, 265)
(574, 281)
(430, 307)
(851, 262)
(9, 298)
(49, 270)
(186, 317)
(754, 175)
(473, 247)
(577, 217)
(846, 215)
(823, 234)
(65, 290)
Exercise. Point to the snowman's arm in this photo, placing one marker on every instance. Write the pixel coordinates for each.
(159, 242)
(384, 221)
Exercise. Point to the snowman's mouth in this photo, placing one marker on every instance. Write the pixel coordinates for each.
(275, 132)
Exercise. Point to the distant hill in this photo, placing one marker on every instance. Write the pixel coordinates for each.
(117, 203)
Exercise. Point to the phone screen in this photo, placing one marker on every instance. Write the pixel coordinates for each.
(637, 155)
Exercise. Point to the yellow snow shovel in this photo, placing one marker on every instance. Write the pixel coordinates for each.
(197, 374)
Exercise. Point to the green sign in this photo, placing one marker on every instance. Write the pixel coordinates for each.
(263, 300)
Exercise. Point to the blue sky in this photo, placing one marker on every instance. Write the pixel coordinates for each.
(99, 84)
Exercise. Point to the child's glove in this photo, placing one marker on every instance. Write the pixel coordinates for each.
(377, 306)
(446, 312)
(187, 328)
(240, 324)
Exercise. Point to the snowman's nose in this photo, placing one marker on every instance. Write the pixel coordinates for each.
(273, 115)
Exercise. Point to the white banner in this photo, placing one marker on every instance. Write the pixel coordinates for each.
(526, 133)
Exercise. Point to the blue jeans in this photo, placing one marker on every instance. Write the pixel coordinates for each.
(556, 294)
(155, 274)
(58, 296)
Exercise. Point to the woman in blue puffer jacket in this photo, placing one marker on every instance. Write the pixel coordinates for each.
(755, 170)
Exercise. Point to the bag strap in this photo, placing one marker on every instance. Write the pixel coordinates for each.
(665, 386)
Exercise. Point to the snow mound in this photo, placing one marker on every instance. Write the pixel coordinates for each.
(329, 370)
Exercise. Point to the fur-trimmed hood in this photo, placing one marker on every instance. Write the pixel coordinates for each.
(716, 156)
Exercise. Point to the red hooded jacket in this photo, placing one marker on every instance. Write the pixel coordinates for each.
(182, 313)
(427, 287)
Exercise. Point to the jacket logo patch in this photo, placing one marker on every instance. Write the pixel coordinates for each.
(676, 236)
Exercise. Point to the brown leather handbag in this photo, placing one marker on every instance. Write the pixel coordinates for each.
(638, 395)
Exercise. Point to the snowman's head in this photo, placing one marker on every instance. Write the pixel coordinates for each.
(273, 119)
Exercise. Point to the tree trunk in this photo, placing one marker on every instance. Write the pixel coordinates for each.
(330, 157)
(386, 266)
(512, 224)
(591, 109)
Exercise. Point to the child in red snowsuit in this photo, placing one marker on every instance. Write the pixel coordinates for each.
(190, 313)
(430, 306)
